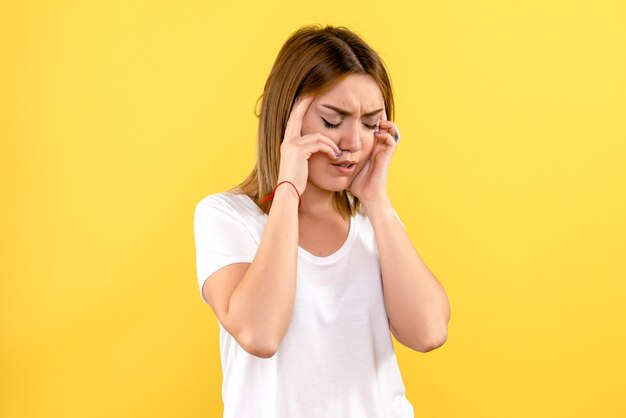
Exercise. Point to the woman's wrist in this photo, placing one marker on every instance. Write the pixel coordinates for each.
(287, 192)
(378, 208)
(279, 190)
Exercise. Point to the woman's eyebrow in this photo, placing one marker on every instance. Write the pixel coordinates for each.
(346, 113)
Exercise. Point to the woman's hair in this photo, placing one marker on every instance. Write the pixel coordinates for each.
(313, 59)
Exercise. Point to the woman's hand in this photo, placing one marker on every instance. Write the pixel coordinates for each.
(370, 184)
(296, 149)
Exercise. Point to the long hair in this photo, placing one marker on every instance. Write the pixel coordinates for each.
(311, 60)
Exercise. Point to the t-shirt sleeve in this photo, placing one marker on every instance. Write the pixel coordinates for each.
(221, 238)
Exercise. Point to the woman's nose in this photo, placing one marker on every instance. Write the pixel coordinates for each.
(351, 139)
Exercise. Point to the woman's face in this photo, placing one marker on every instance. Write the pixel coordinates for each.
(361, 98)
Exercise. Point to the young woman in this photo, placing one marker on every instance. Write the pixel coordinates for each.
(294, 260)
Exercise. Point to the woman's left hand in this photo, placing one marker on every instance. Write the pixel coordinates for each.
(370, 183)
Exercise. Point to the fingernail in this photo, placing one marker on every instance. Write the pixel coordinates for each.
(337, 155)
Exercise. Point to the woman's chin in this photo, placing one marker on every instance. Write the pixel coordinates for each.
(339, 185)
(334, 186)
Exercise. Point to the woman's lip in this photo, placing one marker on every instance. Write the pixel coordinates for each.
(345, 170)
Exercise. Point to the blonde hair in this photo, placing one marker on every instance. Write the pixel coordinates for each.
(311, 60)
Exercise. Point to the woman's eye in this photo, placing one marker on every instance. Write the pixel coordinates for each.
(330, 125)
(372, 127)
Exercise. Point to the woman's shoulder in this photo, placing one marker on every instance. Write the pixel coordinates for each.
(232, 212)
(231, 201)
(224, 197)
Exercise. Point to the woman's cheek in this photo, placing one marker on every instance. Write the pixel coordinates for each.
(308, 127)
(368, 147)
(359, 168)
(304, 130)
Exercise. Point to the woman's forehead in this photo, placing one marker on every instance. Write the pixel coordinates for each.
(355, 93)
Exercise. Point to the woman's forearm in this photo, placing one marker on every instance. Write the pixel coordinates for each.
(262, 303)
(416, 302)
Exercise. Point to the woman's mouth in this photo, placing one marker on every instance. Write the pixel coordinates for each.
(345, 168)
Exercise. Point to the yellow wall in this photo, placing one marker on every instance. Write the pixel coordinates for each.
(117, 117)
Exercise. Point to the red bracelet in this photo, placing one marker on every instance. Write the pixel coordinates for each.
(273, 191)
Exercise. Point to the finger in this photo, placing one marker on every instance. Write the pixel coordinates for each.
(386, 138)
(320, 146)
(391, 128)
(318, 137)
(294, 123)
(387, 124)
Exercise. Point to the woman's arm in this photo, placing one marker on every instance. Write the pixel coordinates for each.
(256, 308)
(416, 303)
(261, 305)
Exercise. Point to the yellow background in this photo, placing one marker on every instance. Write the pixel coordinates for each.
(117, 117)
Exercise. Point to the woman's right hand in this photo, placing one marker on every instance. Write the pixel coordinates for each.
(296, 149)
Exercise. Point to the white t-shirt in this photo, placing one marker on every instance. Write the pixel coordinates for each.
(337, 358)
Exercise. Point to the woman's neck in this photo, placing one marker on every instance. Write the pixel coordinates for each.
(317, 202)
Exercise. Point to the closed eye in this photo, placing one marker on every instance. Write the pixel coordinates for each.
(331, 126)
(372, 127)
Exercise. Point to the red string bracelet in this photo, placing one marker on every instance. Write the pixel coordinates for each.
(273, 191)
